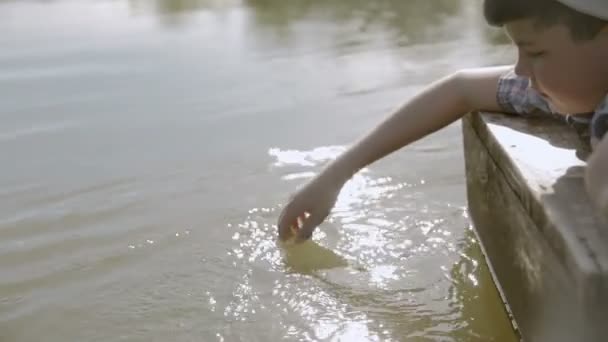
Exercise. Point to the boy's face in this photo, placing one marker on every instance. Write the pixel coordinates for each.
(572, 75)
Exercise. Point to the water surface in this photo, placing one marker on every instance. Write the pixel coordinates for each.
(147, 148)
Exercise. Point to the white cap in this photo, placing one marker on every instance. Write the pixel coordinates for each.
(594, 8)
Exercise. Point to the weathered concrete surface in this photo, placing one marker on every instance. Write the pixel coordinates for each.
(547, 248)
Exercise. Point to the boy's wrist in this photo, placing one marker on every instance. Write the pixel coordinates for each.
(342, 169)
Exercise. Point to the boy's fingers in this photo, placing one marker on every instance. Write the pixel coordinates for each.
(308, 227)
(285, 231)
(287, 219)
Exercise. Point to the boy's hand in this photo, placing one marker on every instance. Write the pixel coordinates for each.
(308, 208)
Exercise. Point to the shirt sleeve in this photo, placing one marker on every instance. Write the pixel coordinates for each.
(515, 96)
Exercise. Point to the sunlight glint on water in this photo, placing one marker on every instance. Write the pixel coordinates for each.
(148, 147)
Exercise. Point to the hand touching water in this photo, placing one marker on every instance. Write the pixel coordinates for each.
(309, 207)
(440, 104)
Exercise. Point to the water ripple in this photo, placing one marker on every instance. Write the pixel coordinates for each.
(365, 274)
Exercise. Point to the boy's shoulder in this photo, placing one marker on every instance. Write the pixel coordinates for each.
(515, 96)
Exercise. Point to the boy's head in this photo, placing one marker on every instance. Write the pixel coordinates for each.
(563, 47)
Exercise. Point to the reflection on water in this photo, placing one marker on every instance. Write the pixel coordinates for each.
(174, 13)
(408, 21)
(366, 274)
(148, 147)
(405, 22)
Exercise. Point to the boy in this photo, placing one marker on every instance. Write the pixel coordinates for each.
(562, 69)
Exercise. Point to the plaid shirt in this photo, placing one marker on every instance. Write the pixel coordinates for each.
(515, 96)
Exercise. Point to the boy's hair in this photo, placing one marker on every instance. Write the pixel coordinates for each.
(545, 13)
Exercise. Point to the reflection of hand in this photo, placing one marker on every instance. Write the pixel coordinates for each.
(596, 179)
(309, 207)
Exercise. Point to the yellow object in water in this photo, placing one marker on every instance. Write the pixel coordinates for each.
(309, 256)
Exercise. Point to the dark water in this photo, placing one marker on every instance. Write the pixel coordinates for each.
(148, 146)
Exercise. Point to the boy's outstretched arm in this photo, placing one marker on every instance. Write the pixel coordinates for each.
(437, 106)
(596, 177)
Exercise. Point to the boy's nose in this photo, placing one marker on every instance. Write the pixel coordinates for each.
(522, 68)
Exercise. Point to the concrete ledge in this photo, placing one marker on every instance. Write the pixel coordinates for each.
(547, 248)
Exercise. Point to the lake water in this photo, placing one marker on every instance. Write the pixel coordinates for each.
(147, 148)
